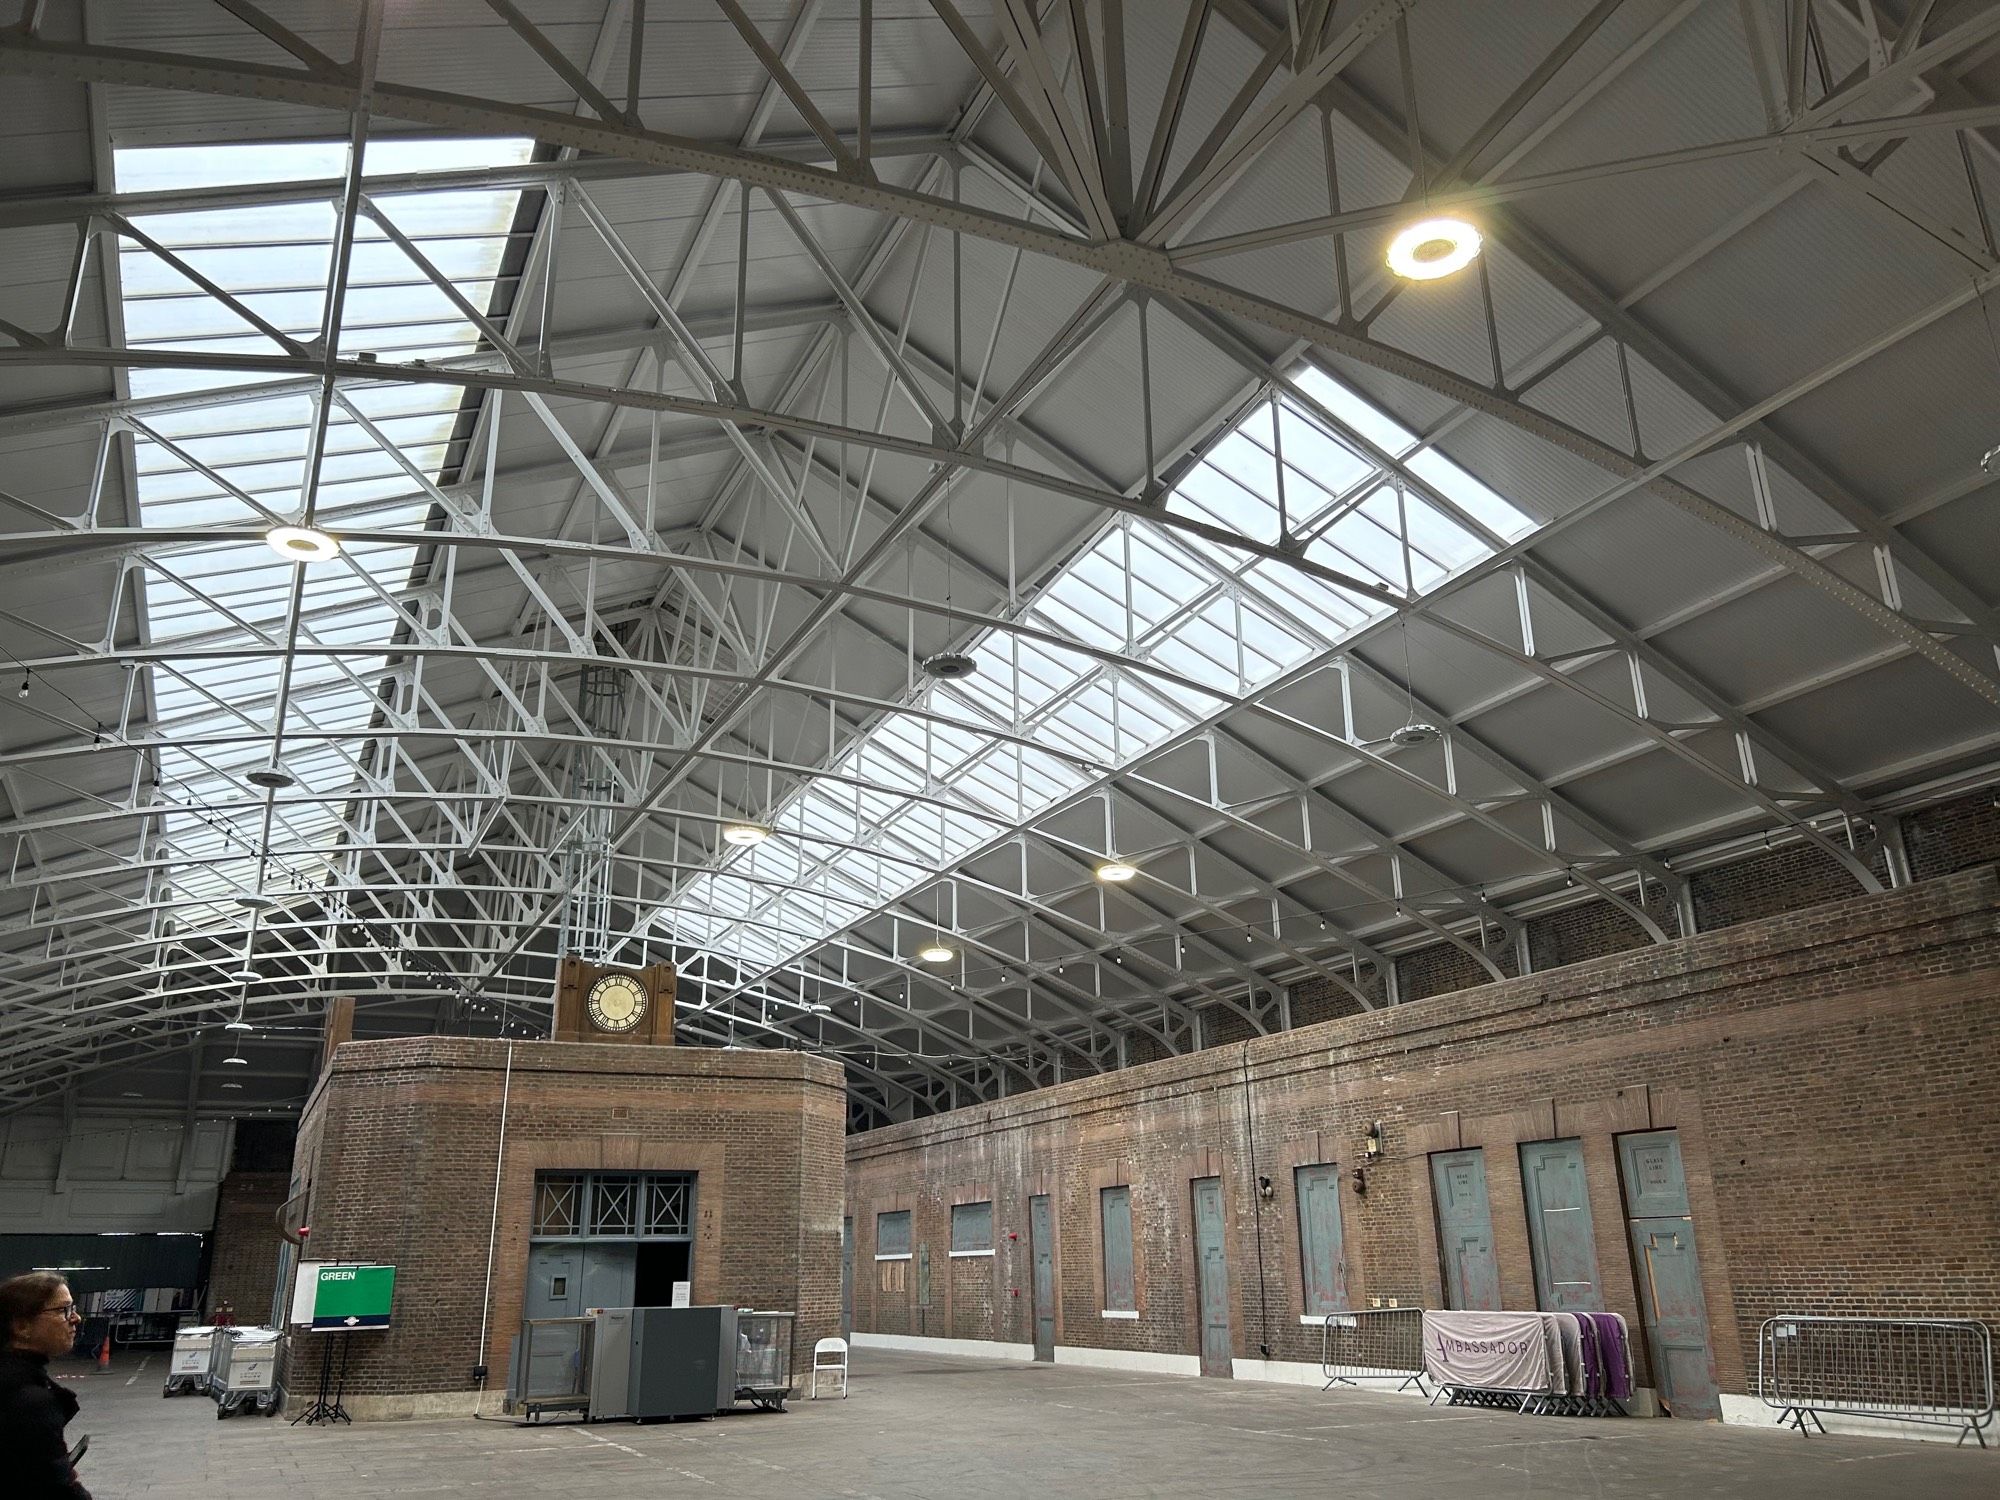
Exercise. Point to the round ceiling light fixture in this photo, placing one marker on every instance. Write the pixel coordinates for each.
(254, 901)
(271, 778)
(231, 1083)
(239, 1024)
(245, 975)
(234, 1061)
(744, 835)
(1414, 734)
(1116, 871)
(1433, 248)
(936, 953)
(950, 665)
(302, 544)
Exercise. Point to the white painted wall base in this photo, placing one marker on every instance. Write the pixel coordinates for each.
(1138, 1361)
(1278, 1371)
(966, 1348)
(1750, 1411)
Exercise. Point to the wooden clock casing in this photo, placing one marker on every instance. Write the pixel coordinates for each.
(575, 976)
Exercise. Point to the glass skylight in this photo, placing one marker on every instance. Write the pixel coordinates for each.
(277, 261)
(912, 797)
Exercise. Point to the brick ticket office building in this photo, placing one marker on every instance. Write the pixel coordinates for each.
(624, 1168)
(1687, 1111)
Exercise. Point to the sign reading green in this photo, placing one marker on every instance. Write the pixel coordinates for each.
(351, 1298)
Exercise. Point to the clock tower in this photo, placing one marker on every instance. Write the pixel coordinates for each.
(599, 1003)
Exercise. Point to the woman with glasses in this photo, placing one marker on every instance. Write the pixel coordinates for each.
(38, 1317)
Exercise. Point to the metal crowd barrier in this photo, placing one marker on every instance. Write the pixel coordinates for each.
(1376, 1343)
(1935, 1371)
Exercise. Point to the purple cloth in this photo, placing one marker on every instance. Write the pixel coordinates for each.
(1593, 1361)
(1614, 1353)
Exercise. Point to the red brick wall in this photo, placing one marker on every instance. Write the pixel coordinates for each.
(243, 1255)
(1829, 1072)
(399, 1142)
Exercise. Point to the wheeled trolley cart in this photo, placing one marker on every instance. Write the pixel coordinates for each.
(763, 1358)
(247, 1373)
(188, 1365)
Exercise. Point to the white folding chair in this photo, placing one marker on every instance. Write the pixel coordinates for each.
(829, 1358)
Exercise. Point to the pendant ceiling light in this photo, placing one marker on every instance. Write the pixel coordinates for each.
(301, 544)
(1433, 248)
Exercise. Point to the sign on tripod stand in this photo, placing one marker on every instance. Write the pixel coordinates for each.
(351, 1299)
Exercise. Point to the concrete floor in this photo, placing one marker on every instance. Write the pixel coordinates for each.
(926, 1426)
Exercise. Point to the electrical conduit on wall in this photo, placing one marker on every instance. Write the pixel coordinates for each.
(493, 1222)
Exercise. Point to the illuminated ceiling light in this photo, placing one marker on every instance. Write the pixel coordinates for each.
(744, 835)
(936, 953)
(239, 1024)
(1431, 248)
(302, 544)
(235, 1061)
(245, 976)
(231, 1083)
(271, 778)
(1116, 871)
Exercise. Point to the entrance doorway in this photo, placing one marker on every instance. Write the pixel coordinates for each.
(608, 1239)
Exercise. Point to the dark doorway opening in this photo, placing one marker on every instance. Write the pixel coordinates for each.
(661, 1264)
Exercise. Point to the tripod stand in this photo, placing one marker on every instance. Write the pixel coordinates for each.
(321, 1409)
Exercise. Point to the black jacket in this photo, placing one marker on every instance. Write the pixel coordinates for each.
(33, 1412)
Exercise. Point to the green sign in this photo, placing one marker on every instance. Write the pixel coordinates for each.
(351, 1298)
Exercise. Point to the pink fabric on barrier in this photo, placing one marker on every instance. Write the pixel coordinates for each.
(1493, 1351)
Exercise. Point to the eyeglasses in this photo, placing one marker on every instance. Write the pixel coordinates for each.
(65, 1310)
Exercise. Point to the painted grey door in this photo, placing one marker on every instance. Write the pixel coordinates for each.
(555, 1290)
(609, 1274)
(1212, 1279)
(1465, 1230)
(1042, 1250)
(846, 1277)
(1559, 1229)
(1325, 1274)
(1668, 1267)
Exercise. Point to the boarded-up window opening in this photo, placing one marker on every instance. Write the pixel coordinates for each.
(1115, 1205)
(892, 1235)
(972, 1229)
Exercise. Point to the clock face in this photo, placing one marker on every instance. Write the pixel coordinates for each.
(617, 1002)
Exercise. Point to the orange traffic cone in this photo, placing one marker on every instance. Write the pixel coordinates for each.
(104, 1352)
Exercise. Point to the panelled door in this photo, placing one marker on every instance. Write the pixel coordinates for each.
(609, 1274)
(1212, 1279)
(554, 1290)
(1465, 1230)
(1559, 1228)
(1042, 1250)
(1325, 1278)
(1668, 1267)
